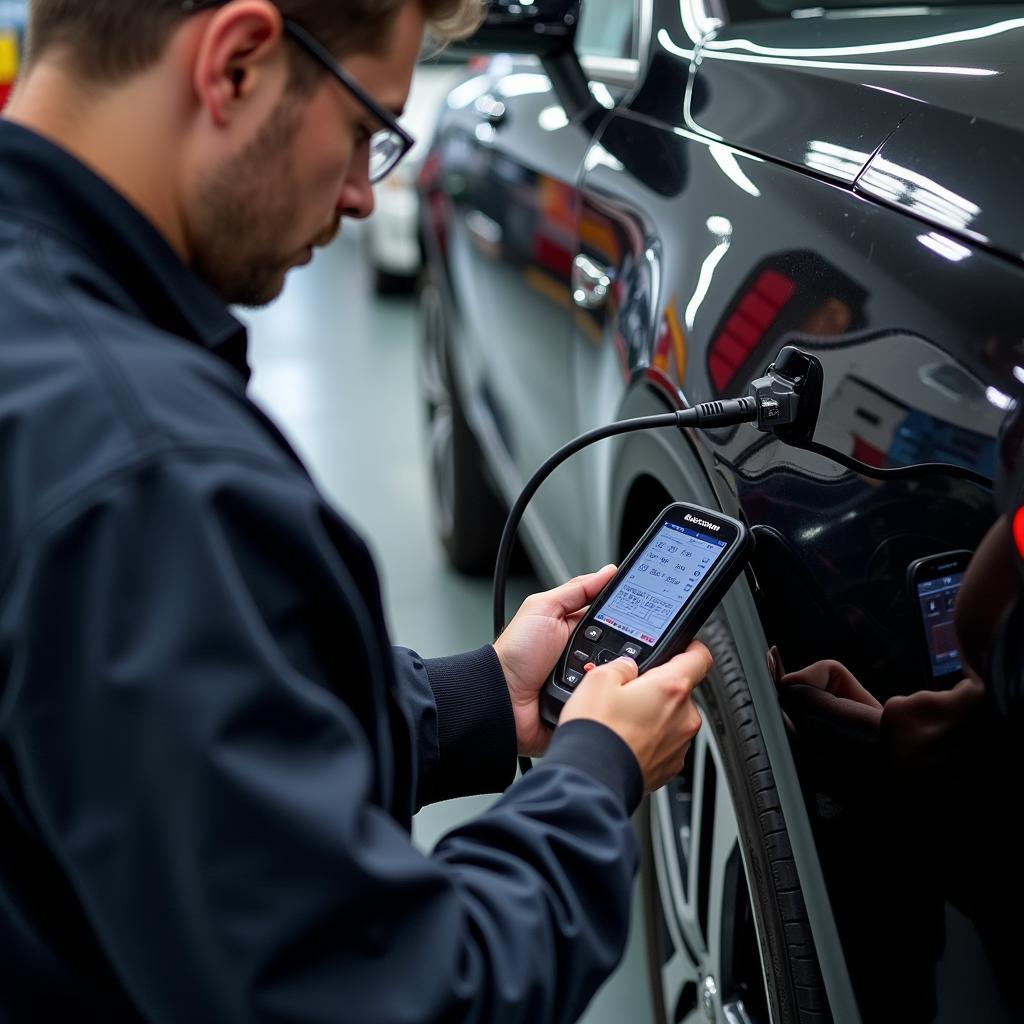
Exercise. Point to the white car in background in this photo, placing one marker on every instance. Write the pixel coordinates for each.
(392, 233)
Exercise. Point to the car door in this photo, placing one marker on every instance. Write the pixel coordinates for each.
(511, 229)
(512, 235)
(820, 177)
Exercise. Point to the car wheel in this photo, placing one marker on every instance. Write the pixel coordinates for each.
(722, 897)
(469, 517)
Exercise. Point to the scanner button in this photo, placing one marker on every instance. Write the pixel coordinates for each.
(571, 678)
(593, 633)
(632, 651)
(604, 656)
(581, 656)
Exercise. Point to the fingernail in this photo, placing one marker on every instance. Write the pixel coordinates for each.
(627, 660)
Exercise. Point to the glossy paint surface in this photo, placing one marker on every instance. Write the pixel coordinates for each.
(850, 185)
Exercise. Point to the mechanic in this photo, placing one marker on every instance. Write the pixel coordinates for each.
(210, 754)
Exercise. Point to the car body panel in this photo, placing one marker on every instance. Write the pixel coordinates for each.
(725, 238)
(973, 207)
(510, 217)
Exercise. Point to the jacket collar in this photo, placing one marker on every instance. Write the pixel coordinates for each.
(44, 185)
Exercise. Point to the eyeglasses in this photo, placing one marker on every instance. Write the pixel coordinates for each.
(388, 145)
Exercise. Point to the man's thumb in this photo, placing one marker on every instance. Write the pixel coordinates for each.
(617, 672)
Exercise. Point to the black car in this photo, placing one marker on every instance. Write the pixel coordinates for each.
(636, 218)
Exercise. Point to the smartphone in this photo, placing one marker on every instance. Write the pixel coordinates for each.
(655, 604)
(933, 584)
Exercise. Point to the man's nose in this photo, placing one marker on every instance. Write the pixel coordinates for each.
(356, 199)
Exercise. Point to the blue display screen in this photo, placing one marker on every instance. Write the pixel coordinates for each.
(660, 582)
(937, 598)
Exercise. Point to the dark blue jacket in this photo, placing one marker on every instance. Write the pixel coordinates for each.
(209, 752)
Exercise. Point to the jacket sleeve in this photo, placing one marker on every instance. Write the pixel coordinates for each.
(462, 721)
(187, 707)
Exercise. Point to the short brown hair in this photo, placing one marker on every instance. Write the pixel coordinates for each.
(109, 40)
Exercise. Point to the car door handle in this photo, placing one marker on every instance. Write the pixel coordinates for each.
(491, 109)
(590, 282)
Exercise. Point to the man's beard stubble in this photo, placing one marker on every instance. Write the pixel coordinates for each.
(247, 205)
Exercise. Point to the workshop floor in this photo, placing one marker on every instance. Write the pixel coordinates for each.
(337, 369)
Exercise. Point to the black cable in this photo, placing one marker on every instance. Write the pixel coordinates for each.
(709, 414)
(916, 471)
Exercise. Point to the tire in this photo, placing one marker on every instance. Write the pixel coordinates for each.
(727, 930)
(468, 517)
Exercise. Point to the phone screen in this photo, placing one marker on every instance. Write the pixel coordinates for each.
(660, 583)
(937, 598)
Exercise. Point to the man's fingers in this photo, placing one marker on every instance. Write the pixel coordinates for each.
(614, 673)
(571, 597)
(690, 667)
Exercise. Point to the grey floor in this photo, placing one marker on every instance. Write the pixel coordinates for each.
(337, 370)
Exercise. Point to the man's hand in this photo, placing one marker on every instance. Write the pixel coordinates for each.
(653, 714)
(532, 643)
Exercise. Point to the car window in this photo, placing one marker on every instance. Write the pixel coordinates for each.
(605, 29)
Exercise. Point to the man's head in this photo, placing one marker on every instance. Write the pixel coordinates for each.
(220, 124)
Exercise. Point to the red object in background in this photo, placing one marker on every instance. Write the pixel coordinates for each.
(868, 453)
(1018, 531)
(5, 92)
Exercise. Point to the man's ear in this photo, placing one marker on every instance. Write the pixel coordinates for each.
(238, 53)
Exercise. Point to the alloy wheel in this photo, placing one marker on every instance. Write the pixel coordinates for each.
(710, 962)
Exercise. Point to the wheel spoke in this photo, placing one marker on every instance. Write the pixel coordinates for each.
(667, 868)
(440, 442)
(735, 1013)
(702, 832)
(721, 888)
(676, 973)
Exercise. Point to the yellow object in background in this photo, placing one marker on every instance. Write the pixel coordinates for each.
(8, 56)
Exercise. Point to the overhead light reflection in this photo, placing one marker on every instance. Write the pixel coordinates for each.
(916, 69)
(918, 193)
(466, 93)
(1018, 372)
(600, 93)
(726, 160)
(524, 84)
(598, 156)
(834, 160)
(721, 228)
(945, 247)
(697, 23)
(886, 12)
(998, 399)
(900, 46)
(674, 48)
(552, 118)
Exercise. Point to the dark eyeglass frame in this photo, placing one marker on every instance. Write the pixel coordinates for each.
(323, 57)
